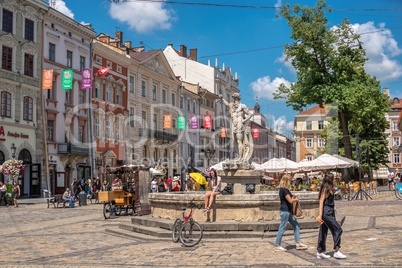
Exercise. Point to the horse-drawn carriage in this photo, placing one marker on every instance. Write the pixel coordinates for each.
(117, 201)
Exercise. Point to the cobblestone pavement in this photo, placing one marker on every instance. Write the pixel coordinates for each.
(35, 236)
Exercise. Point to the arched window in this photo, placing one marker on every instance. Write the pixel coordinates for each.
(5, 104)
(28, 109)
(25, 156)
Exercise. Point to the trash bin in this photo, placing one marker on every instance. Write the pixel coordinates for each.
(83, 198)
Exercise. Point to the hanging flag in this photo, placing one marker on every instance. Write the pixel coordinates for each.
(67, 79)
(194, 122)
(181, 122)
(103, 71)
(167, 121)
(255, 132)
(47, 79)
(207, 121)
(223, 132)
(86, 82)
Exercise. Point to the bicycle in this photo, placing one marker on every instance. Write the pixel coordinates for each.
(187, 230)
(398, 190)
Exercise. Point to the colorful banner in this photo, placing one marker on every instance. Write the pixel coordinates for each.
(181, 122)
(103, 71)
(194, 122)
(167, 121)
(208, 121)
(67, 79)
(255, 132)
(86, 82)
(223, 132)
(47, 79)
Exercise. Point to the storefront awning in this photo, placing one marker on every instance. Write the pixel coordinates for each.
(381, 173)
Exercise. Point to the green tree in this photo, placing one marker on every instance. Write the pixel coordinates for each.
(329, 63)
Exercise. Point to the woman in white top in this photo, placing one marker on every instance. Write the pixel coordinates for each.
(215, 189)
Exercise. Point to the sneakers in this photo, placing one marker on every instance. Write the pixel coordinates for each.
(323, 256)
(300, 246)
(279, 248)
(339, 255)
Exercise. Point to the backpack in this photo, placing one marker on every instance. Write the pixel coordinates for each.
(227, 190)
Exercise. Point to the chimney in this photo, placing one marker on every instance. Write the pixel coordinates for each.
(193, 54)
(127, 44)
(386, 91)
(183, 51)
(119, 38)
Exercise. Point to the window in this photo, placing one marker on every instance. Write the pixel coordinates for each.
(118, 69)
(188, 105)
(117, 130)
(321, 143)
(52, 52)
(28, 109)
(98, 91)
(396, 141)
(193, 106)
(397, 159)
(309, 157)
(69, 59)
(68, 99)
(107, 132)
(163, 96)
(174, 123)
(28, 64)
(81, 97)
(144, 118)
(155, 121)
(81, 134)
(143, 88)
(154, 93)
(7, 21)
(395, 126)
(97, 127)
(132, 84)
(181, 102)
(7, 58)
(321, 124)
(132, 112)
(29, 29)
(118, 97)
(50, 130)
(108, 93)
(173, 99)
(82, 63)
(98, 59)
(308, 125)
(309, 143)
(5, 104)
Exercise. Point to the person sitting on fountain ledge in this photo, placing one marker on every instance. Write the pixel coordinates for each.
(215, 189)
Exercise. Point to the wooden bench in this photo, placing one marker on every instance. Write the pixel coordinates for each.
(56, 200)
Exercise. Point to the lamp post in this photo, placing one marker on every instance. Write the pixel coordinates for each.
(209, 153)
(13, 150)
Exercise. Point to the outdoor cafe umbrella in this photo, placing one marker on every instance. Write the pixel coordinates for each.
(354, 163)
(324, 162)
(280, 165)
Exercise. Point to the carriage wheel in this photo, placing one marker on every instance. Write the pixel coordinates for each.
(107, 210)
(118, 210)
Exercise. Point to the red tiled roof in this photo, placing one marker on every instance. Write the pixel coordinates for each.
(315, 110)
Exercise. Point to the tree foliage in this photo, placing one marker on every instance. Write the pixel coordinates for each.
(329, 63)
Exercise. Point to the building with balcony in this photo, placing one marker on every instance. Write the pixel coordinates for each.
(67, 48)
(21, 137)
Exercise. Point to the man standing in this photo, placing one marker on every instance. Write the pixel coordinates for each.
(3, 191)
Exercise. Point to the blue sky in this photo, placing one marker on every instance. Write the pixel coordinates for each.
(248, 39)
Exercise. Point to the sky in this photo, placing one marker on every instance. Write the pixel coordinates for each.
(248, 37)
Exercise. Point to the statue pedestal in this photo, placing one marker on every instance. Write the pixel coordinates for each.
(239, 178)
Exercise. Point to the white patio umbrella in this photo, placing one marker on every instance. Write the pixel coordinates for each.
(323, 162)
(280, 165)
(354, 163)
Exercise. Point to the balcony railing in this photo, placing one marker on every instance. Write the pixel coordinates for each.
(68, 148)
(157, 135)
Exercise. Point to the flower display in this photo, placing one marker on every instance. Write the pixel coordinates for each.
(12, 167)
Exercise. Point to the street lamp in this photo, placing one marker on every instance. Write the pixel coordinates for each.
(209, 153)
(13, 149)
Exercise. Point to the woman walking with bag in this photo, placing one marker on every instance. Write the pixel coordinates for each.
(287, 199)
(328, 220)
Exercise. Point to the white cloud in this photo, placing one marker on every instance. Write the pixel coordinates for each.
(281, 125)
(381, 51)
(142, 16)
(287, 63)
(263, 87)
(61, 6)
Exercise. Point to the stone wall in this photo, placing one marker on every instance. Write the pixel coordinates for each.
(237, 207)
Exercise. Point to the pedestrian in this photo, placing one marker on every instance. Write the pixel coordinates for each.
(75, 188)
(215, 189)
(16, 193)
(327, 219)
(3, 192)
(154, 185)
(286, 200)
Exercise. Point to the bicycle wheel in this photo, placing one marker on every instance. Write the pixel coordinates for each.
(190, 233)
(118, 210)
(398, 191)
(176, 230)
(107, 210)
